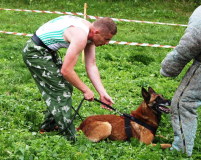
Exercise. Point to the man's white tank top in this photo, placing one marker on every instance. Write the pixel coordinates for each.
(51, 33)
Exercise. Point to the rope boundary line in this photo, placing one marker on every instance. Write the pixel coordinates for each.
(110, 42)
(92, 17)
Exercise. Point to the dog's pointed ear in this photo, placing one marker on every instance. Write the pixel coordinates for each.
(145, 95)
(150, 90)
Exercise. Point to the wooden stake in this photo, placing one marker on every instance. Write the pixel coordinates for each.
(85, 16)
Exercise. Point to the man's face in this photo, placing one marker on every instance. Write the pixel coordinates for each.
(102, 39)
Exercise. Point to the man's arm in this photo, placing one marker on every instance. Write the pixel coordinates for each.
(94, 75)
(78, 39)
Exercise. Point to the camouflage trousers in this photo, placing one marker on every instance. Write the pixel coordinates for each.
(184, 104)
(56, 91)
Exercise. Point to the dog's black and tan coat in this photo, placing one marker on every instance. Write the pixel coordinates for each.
(99, 127)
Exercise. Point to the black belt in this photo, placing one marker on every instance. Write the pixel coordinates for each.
(37, 40)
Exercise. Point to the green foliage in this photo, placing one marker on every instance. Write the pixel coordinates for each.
(124, 70)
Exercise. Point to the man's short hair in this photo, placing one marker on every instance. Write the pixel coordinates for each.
(106, 25)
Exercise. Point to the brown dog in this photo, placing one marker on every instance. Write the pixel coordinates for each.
(99, 127)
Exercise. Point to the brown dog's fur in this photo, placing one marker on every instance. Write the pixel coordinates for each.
(99, 127)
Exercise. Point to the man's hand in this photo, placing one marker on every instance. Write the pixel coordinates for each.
(88, 95)
(106, 99)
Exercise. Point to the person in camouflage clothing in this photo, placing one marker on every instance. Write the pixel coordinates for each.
(187, 97)
(54, 78)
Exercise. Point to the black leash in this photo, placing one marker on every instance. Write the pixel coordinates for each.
(108, 106)
(77, 114)
(65, 129)
(127, 116)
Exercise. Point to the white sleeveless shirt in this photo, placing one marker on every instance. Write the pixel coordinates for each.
(51, 33)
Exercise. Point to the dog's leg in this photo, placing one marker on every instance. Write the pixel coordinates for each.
(163, 146)
(160, 136)
(148, 138)
(97, 131)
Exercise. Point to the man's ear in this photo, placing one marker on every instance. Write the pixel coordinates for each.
(96, 31)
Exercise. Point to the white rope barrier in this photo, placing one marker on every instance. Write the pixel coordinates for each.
(110, 42)
(93, 17)
(141, 44)
(15, 33)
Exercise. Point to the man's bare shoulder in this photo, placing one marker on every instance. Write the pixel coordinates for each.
(75, 33)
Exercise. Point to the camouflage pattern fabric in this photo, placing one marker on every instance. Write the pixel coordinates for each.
(56, 91)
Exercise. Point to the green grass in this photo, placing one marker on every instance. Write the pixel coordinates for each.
(124, 70)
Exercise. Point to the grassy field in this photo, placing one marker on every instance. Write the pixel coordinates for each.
(124, 69)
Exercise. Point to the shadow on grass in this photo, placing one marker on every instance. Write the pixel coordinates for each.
(140, 58)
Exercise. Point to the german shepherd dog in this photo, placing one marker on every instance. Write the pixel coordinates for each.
(100, 127)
